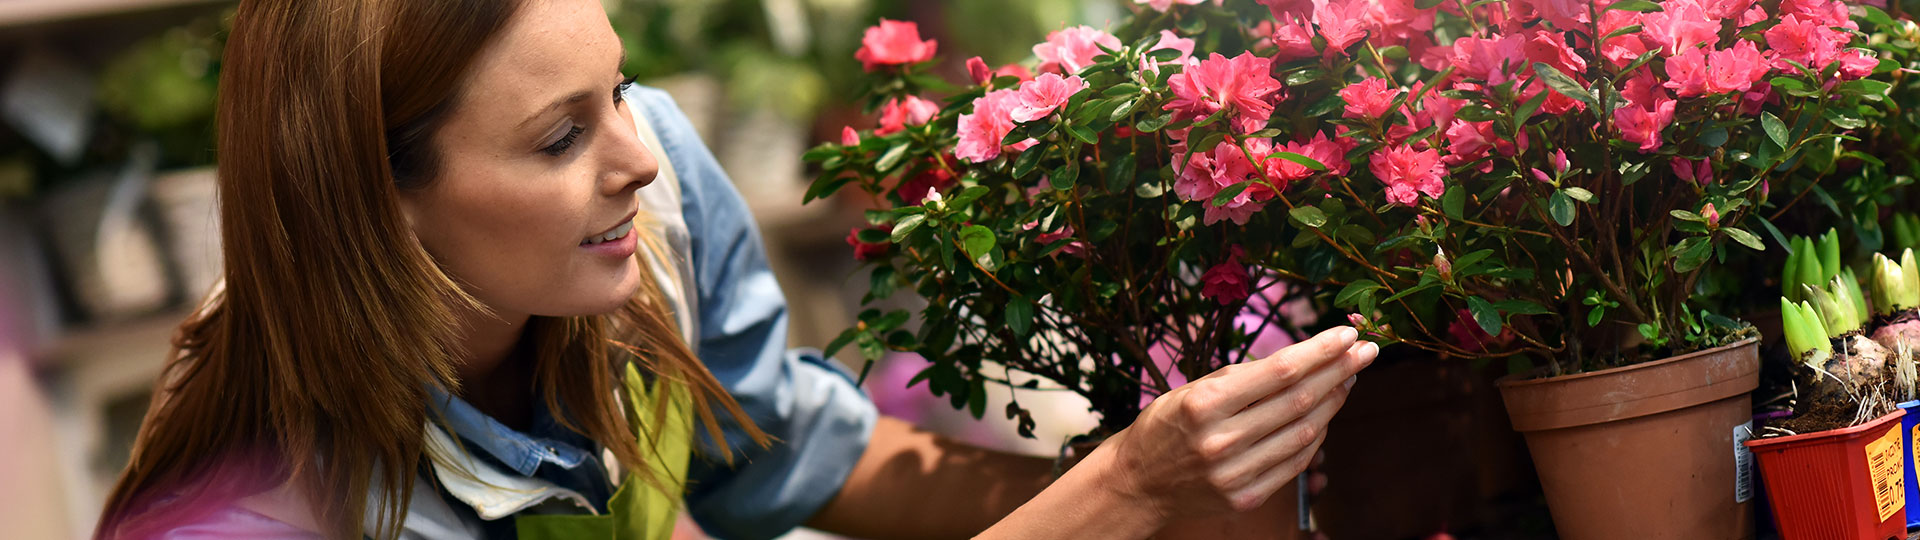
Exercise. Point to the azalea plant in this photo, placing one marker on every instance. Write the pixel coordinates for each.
(1543, 181)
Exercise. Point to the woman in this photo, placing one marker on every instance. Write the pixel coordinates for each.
(440, 320)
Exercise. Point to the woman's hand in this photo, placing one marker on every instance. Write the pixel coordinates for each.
(1231, 439)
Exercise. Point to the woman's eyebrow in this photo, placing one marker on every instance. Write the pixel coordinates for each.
(571, 98)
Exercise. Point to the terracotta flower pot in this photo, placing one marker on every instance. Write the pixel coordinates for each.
(1838, 483)
(1648, 451)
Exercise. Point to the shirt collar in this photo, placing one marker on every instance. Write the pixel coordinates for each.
(522, 452)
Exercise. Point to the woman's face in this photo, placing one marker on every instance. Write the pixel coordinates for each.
(539, 165)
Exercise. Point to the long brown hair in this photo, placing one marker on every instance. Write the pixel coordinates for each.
(312, 366)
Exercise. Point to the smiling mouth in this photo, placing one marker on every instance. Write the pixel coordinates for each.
(617, 233)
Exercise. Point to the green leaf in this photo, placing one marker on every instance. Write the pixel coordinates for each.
(1634, 5)
(1305, 76)
(1485, 314)
(1691, 253)
(1153, 123)
(1309, 216)
(847, 336)
(1563, 84)
(1083, 133)
(1714, 138)
(1063, 178)
(1454, 202)
(1020, 315)
(1774, 128)
(892, 158)
(1745, 238)
(1121, 111)
(1227, 194)
(1351, 296)
(977, 398)
(1561, 206)
(978, 240)
(1121, 90)
(1527, 109)
(967, 197)
(1304, 161)
(1120, 174)
(1580, 194)
(1842, 120)
(1028, 160)
(1686, 215)
(905, 226)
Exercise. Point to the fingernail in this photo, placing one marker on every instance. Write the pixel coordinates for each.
(1353, 379)
(1369, 351)
(1347, 334)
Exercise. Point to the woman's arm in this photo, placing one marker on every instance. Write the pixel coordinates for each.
(911, 483)
(1224, 442)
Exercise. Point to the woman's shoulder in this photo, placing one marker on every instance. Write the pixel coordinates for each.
(234, 521)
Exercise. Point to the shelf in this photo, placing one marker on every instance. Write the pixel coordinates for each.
(26, 12)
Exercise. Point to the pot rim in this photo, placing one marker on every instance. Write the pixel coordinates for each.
(1809, 438)
(1529, 378)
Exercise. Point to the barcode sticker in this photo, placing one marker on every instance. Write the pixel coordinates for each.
(1885, 467)
(1742, 463)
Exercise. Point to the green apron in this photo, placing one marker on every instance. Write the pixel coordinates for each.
(638, 510)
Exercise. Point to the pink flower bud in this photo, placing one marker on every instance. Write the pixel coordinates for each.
(1357, 320)
(1444, 266)
(977, 70)
(1559, 160)
(849, 137)
(1712, 215)
(1542, 176)
(1682, 169)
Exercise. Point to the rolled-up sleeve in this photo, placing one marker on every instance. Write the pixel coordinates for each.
(819, 416)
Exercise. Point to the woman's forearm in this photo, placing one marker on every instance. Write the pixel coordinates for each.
(911, 483)
(1089, 502)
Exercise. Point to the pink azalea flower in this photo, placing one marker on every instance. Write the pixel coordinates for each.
(1227, 282)
(1856, 64)
(1394, 21)
(1735, 69)
(1754, 15)
(1409, 173)
(1073, 49)
(849, 137)
(1328, 153)
(1491, 60)
(981, 131)
(1647, 112)
(1551, 48)
(1244, 83)
(1468, 142)
(1826, 13)
(1340, 23)
(1682, 25)
(893, 43)
(977, 71)
(1752, 100)
(1039, 97)
(1368, 99)
(1805, 41)
(1300, 8)
(1564, 14)
(899, 113)
(1436, 109)
(1724, 9)
(1163, 5)
(1687, 72)
(1294, 38)
(1209, 172)
(1623, 49)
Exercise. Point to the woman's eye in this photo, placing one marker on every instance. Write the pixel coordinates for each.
(566, 141)
(620, 90)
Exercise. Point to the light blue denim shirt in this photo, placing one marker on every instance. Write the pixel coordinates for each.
(817, 415)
